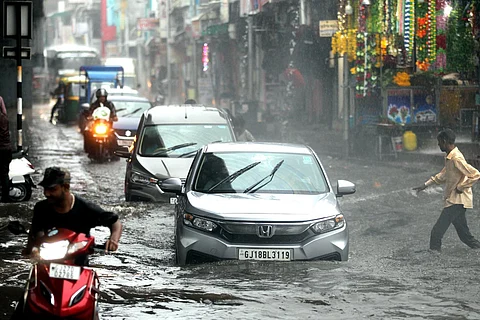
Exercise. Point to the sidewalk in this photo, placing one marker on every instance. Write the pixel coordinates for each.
(331, 142)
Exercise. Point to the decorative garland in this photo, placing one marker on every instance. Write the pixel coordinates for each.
(345, 41)
(409, 29)
(441, 39)
(421, 37)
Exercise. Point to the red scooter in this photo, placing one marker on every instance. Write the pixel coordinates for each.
(60, 285)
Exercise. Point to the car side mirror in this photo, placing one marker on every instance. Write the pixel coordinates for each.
(172, 185)
(122, 153)
(345, 187)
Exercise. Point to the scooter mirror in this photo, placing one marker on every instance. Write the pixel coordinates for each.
(16, 228)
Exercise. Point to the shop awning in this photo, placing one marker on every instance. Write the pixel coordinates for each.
(61, 14)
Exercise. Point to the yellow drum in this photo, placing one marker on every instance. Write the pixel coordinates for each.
(409, 141)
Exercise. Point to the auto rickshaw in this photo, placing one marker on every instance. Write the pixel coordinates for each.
(75, 87)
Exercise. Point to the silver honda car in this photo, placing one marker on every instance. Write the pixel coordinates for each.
(258, 201)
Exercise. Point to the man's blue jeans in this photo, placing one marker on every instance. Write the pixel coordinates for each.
(455, 215)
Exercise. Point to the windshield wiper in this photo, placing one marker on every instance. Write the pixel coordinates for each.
(270, 175)
(179, 146)
(234, 175)
(130, 113)
(183, 155)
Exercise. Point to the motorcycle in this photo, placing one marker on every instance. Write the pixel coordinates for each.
(20, 171)
(98, 135)
(60, 284)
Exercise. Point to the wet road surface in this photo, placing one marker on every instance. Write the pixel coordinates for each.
(390, 274)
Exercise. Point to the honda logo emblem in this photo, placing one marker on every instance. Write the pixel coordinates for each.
(265, 231)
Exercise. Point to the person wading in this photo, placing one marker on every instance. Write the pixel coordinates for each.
(458, 177)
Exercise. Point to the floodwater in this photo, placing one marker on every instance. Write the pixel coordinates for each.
(390, 273)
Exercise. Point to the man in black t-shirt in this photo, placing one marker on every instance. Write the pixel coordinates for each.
(62, 209)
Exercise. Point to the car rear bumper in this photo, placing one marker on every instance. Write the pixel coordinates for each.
(332, 245)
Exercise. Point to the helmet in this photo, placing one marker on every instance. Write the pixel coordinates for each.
(101, 93)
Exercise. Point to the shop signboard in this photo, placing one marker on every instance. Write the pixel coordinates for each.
(327, 28)
(424, 110)
(399, 107)
(411, 106)
(145, 24)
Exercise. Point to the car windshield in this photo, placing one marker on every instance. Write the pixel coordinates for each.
(292, 173)
(130, 109)
(158, 138)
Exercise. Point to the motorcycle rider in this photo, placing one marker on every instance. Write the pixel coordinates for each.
(59, 92)
(63, 209)
(101, 95)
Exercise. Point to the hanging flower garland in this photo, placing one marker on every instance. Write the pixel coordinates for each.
(345, 41)
(441, 39)
(432, 28)
(409, 28)
(366, 75)
(421, 36)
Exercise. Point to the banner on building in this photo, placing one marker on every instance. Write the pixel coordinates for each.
(145, 24)
(249, 7)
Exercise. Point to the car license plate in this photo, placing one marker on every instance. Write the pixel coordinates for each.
(265, 254)
(124, 143)
(63, 271)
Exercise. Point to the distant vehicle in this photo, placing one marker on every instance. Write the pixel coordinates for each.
(129, 111)
(167, 139)
(258, 201)
(125, 91)
(96, 77)
(129, 66)
(65, 60)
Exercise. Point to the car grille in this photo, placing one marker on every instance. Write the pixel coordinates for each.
(282, 234)
(286, 239)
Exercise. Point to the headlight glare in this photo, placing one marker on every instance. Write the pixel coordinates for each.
(54, 251)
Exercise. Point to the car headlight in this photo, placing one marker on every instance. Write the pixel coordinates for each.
(141, 179)
(199, 223)
(329, 224)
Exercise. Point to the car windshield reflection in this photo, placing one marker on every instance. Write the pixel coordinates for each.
(130, 109)
(163, 140)
(271, 173)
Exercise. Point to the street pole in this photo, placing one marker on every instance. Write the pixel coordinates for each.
(19, 79)
(250, 57)
(169, 55)
(127, 30)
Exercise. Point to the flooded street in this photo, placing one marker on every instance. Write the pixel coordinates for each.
(390, 273)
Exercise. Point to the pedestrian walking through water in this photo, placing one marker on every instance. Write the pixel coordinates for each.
(5, 151)
(458, 177)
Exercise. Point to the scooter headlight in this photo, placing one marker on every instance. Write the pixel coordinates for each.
(74, 247)
(55, 250)
(100, 128)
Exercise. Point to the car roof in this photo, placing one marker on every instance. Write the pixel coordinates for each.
(126, 97)
(185, 113)
(121, 91)
(261, 147)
